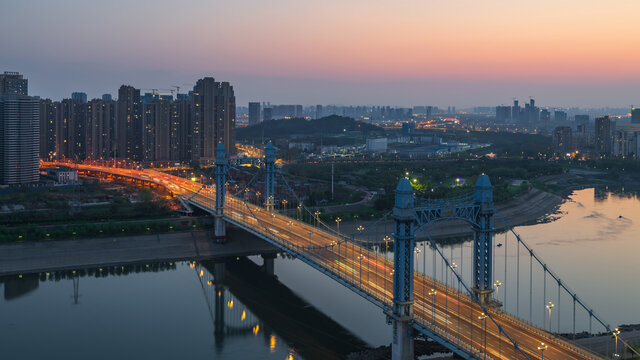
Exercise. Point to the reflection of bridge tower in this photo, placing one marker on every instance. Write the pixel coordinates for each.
(404, 215)
(76, 288)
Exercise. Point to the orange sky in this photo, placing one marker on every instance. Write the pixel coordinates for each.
(563, 41)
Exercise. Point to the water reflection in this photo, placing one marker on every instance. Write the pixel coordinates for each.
(246, 314)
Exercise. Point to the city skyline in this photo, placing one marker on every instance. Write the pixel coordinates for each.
(463, 54)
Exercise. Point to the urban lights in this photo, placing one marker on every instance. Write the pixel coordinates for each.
(542, 348)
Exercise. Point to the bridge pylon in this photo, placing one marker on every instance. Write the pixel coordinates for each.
(483, 240)
(269, 169)
(402, 347)
(220, 231)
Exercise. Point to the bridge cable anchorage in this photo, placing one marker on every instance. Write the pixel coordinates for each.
(561, 284)
(472, 294)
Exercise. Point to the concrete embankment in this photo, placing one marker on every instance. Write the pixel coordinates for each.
(42, 256)
(528, 208)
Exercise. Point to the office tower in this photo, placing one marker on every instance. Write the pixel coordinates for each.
(267, 114)
(254, 113)
(559, 116)
(80, 96)
(129, 124)
(100, 129)
(156, 137)
(13, 83)
(582, 120)
(562, 140)
(19, 138)
(48, 114)
(318, 111)
(214, 118)
(71, 129)
(107, 97)
(503, 113)
(603, 135)
(635, 115)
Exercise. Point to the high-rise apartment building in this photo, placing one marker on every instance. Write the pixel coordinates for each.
(635, 115)
(267, 114)
(129, 124)
(214, 118)
(156, 138)
(19, 138)
(80, 96)
(13, 83)
(71, 129)
(182, 129)
(254, 113)
(582, 120)
(559, 116)
(503, 113)
(604, 129)
(48, 121)
(562, 140)
(100, 129)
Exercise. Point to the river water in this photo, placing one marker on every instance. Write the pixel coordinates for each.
(171, 310)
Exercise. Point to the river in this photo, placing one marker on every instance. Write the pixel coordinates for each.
(168, 310)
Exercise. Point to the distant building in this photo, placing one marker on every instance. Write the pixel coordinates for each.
(80, 96)
(214, 118)
(559, 116)
(254, 113)
(319, 111)
(267, 114)
(71, 129)
(635, 115)
(408, 127)
(503, 113)
(545, 118)
(63, 175)
(562, 140)
(603, 141)
(582, 120)
(19, 138)
(13, 83)
(156, 136)
(107, 97)
(622, 143)
(100, 129)
(377, 145)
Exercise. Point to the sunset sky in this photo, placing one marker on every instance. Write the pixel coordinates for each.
(403, 52)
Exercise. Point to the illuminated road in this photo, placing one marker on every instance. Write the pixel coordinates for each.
(446, 312)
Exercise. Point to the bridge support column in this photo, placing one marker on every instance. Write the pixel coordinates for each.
(483, 241)
(402, 316)
(269, 181)
(268, 265)
(220, 231)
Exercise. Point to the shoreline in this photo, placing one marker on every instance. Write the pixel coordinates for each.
(528, 208)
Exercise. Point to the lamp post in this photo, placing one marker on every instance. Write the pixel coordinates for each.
(360, 229)
(483, 317)
(338, 220)
(299, 212)
(360, 258)
(542, 348)
(386, 243)
(317, 214)
(453, 267)
(549, 307)
(433, 293)
(497, 284)
(284, 205)
(616, 332)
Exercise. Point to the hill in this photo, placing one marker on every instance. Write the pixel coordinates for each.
(327, 125)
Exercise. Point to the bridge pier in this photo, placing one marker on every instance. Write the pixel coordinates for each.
(268, 264)
(483, 240)
(220, 226)
(402, 346)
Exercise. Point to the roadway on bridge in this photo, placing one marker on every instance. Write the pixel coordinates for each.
(449, 314)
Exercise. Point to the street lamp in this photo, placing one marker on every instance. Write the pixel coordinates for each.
(483, 317)
(317, 213)
(284, 205)
(433, 293)
(616, 332)
(542, 348)
(453, 267)
(338, 224)
(497, 284)
(386, 243)
(549, 307)
(417, 251)
(299, 211)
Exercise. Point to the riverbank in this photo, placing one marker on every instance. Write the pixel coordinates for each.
(31, 257)
(528, 208)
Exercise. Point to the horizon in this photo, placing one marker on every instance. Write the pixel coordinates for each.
(463, 54)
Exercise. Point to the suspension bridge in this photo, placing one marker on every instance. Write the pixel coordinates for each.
(460, 310)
